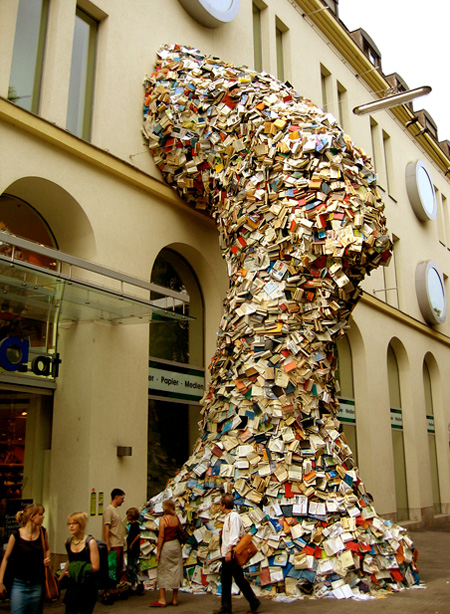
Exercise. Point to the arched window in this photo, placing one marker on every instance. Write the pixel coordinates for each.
(401, 490)
(427, 385)
(344, 375)
(176, 374)
(20, 219)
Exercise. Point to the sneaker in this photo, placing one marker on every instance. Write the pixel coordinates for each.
(254, 608)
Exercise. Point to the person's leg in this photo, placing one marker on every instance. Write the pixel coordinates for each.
(132, 567)
(175, 597)
(227, 580)
(26, 598)
(162, 595)
(244, 585)
(120, 570)
(18, 597)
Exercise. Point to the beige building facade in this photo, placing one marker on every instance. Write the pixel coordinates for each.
(127, 291)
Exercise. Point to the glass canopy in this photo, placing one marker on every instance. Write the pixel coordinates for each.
(47, 295)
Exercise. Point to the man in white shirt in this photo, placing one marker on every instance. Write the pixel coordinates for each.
(231, 533)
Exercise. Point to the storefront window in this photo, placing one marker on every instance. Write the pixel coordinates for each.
(347, 413)
(398, 443)
(25, 441)
(176, 375)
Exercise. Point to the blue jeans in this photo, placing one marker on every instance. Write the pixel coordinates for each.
(132, 568)
(26, 597)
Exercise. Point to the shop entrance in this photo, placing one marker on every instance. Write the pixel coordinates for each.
(25, 442)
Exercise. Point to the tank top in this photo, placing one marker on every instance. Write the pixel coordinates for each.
(170, 533)
(28, 559)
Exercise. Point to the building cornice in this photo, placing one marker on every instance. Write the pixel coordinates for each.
(99, 158)
(407, 320)
(338, 35)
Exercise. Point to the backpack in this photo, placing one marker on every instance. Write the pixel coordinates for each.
(103, 573)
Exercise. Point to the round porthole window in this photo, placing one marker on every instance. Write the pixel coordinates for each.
(421, 192)
(431, 293)
(211, 13)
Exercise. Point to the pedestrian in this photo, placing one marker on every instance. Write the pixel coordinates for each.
(113, 533)
(168, 555)
(81, 570)
(232, 531)
(133, 548)
(27, 553)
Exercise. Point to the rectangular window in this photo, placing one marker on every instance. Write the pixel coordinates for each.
(390, 278)
(445, 221)
(325, 78)
(342, 104)
(257, 39)
(376, 153)
(82, 73)
(442, 218)
(280, 41)
(388, 164)
(28, 54)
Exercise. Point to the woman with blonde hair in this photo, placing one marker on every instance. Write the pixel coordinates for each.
(82, 568)
(170, 561)
(27, 553)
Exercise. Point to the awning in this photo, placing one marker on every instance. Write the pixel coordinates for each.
(55, 294)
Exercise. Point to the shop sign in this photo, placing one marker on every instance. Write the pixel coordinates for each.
(15, 356)
(396, 419)
(346, 412)
(175, 381)
(430, 424)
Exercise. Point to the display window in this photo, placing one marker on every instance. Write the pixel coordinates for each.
(25, 441)
(176, 374)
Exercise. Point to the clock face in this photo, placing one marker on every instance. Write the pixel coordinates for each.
(421, 192)
(211, 13)
(431, 294)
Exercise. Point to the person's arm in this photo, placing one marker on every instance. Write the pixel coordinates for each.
(106, 528)
(233, 535)
(134, 529)
(107, 520)
(47, 550)
(9, 549)
(94, 555)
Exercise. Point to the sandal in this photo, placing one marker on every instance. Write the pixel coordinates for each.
(157, 604)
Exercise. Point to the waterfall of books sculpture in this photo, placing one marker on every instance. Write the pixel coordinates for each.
(301, 223)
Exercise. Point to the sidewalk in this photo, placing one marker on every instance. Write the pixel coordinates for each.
(434, 568)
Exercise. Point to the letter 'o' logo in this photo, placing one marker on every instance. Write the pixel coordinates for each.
(13, 353)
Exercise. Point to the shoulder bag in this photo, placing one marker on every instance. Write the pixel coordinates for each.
(244, 550)
(51, 586)
(182, 536)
